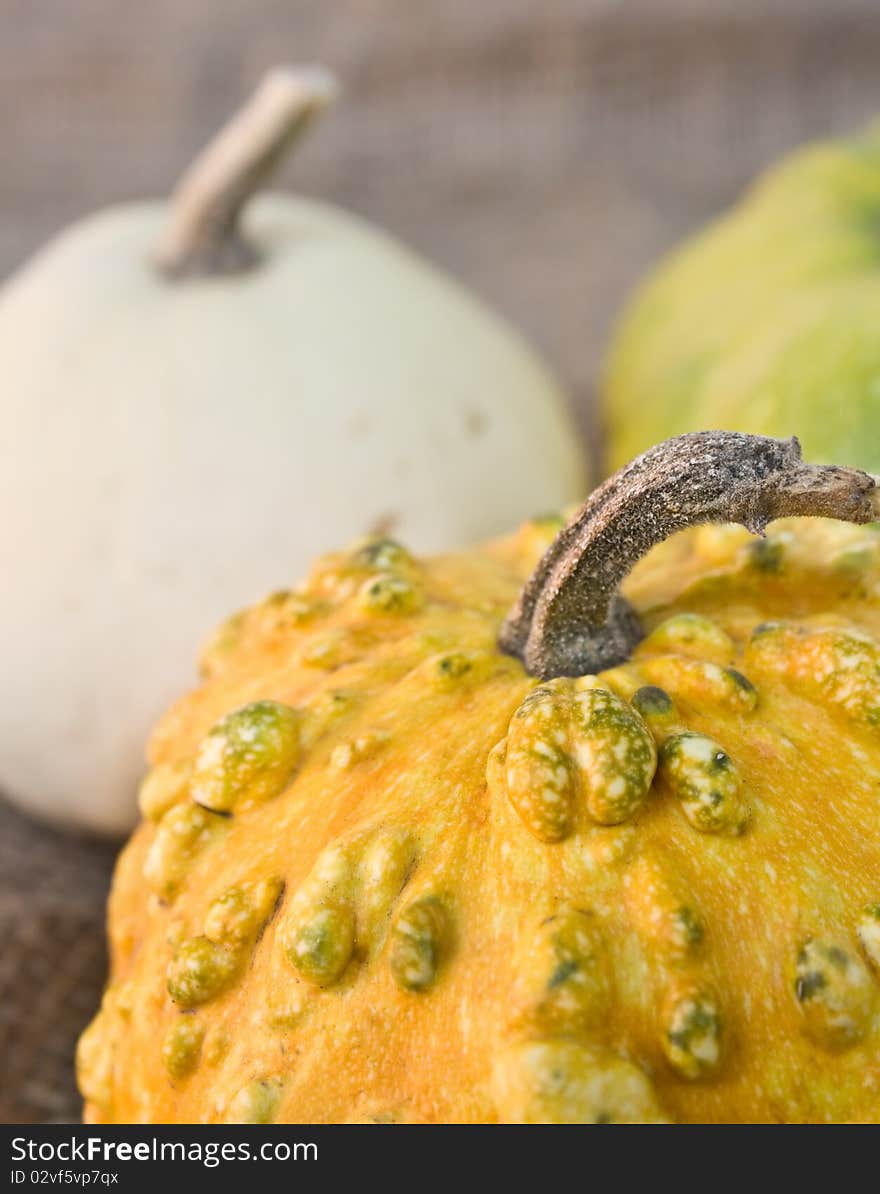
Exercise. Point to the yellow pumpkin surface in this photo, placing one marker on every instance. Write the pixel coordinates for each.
(384, 875)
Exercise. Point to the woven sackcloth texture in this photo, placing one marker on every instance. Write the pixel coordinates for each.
(52, 960)
(544, 150)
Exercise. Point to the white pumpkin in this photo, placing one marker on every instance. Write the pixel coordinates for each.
(182, 432)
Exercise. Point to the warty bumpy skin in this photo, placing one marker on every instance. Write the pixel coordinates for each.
(386, 875)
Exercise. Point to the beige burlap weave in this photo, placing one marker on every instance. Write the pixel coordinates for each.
(544, 150)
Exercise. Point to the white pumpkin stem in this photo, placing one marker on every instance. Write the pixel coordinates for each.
(571, 618)
(202, 234)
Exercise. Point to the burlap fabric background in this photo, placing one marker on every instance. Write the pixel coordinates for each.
(545, 150)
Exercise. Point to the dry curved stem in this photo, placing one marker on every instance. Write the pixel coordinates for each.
(202, 234)
(571, 619)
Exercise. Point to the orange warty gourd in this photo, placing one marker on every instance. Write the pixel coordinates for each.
(620, 864)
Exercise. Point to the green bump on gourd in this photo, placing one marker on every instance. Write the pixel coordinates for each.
(290, 608)
(614, 754)
(288, 1012)
(330, 650)
(449, 669)
(200, 970)
(650, 701)
(382, 554)
(731, 689)
(766, 555)
(573, 743)
(256, 1103)
(692, 1039)
(239, 915)
(385, 865)
(279, 597)
(248, 757)
(689, 634)
(222, 643)
(182, 1047)
(744, 683)
(182, 835)
(454, 671)
(706, 782)
(834, 667)
(417, 941)
(701, 683)
(868, 932)
(320, 944)
(657, 710)
(355, 750)
(564, 978)
(389, 594)
(325, 710)
(538, 769)
(216, 1046)
(835, 992)
(561, 1081)
(855, 558)
(767, 630)
(688, 929)
(164, 786)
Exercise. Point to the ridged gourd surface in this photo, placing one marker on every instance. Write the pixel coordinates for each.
(386, 876)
